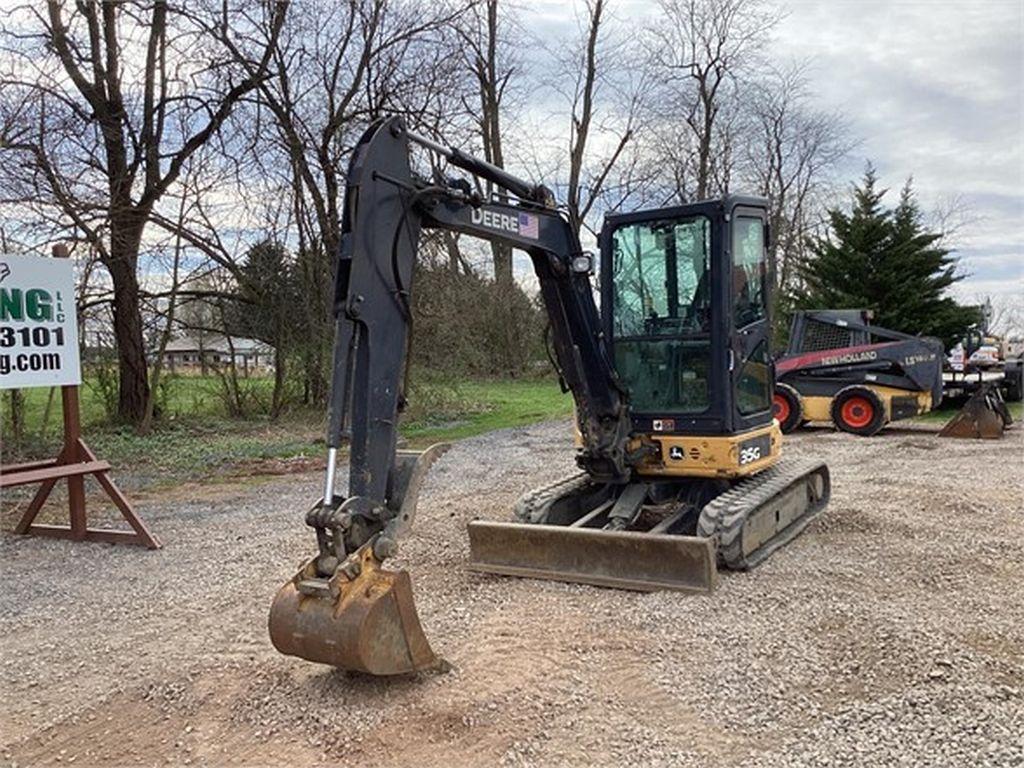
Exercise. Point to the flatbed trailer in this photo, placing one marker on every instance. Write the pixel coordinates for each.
(1008, 375)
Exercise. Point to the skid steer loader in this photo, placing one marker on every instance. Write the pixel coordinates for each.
(679, 456)
(839, 367)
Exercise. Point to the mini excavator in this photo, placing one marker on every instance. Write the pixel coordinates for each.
(680, 465)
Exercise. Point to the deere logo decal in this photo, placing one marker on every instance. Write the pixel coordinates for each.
(522, 224)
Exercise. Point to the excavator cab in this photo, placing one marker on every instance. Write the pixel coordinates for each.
(684, 298)
(684, 309)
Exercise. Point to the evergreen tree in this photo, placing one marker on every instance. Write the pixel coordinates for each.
(885, 260)
(268, 308)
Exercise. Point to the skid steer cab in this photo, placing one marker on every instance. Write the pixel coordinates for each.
(678, 455)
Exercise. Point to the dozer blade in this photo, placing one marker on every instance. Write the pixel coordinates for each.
(646, 562)
(984, 416)
(366, 622)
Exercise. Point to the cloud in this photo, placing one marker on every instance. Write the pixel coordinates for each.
(933, 91)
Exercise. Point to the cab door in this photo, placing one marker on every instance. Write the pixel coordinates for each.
(751, 368)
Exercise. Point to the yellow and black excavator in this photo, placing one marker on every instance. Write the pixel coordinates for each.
(679, 456)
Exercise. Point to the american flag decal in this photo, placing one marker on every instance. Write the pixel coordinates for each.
(529, 226)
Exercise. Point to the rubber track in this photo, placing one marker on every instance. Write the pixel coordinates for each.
(536, 498)
(724, 517)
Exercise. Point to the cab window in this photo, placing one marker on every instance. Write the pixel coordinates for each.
(753, 386)
(661, 313)
(662, 277)
(749, 270)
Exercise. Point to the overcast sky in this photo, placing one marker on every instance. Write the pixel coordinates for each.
(931, 89)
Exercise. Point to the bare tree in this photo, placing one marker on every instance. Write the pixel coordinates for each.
(488, 52)
(93, 97)
(1006, 316)
(954, 217)
(146, 424)
(702, 49)
(790, 149)
(336, 68)
(605, 94)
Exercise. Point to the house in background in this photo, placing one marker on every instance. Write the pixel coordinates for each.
(198, 354)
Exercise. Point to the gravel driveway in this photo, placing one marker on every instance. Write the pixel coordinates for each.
(890, 633)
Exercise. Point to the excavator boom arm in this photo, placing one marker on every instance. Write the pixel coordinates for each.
(385, 210)
(563, 272)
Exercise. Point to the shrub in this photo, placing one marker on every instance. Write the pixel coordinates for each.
(467, 324)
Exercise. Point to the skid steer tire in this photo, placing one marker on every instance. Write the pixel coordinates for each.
(787, 408)
(858, 410)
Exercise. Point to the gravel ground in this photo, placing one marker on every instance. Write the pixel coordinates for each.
(890, 633)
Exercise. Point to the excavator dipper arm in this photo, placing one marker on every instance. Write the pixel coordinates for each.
(341, 608)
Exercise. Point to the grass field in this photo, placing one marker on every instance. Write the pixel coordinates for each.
(945, 413)
(195, 439)
(182, 397)
(489, 405)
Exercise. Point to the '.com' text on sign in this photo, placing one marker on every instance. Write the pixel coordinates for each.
(38, 326)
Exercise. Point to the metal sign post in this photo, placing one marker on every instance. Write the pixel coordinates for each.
(35, 358)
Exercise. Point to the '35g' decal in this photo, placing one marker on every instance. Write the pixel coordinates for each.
(755, 449)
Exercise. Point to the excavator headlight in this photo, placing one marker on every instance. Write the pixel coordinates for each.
(583, 263)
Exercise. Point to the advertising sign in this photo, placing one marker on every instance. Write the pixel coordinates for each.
(38, 325)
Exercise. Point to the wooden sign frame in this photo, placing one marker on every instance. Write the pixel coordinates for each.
(75, 462)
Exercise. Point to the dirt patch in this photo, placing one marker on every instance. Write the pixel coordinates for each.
(291, 466)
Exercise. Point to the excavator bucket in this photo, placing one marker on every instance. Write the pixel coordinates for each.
(984, 416)
(365, 621)
(645, 562)
(363, 617)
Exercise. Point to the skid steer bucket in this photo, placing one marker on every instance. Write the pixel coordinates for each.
(363, 619)
(646, 562)
(984, 416)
